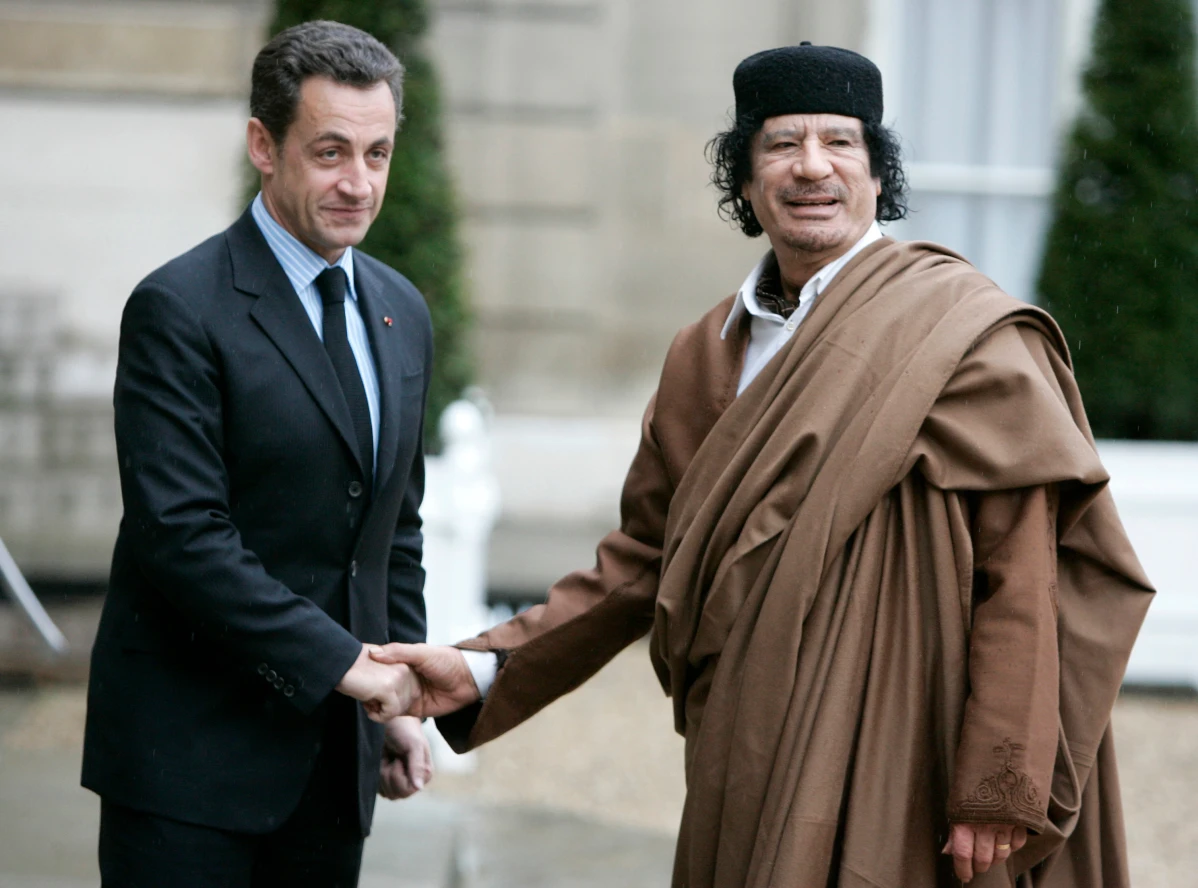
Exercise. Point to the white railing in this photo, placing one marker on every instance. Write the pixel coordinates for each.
(13, 582)
(461, 503)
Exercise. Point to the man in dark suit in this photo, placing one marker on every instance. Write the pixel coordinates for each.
(269, 399)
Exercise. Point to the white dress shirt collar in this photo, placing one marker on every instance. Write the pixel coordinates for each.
(746, 297)
(300, 262)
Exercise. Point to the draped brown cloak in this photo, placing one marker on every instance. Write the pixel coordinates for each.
(808, 553)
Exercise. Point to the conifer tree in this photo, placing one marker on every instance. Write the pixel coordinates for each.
(416, 230)
(1120, 269)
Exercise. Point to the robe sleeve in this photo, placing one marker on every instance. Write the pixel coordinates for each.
(1008, 743)
(589, 616)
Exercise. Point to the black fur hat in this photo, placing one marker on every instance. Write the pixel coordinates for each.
(807, 79)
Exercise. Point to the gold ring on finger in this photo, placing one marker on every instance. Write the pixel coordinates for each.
(1006, 847)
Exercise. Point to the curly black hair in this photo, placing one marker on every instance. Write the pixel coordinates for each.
(730, 155)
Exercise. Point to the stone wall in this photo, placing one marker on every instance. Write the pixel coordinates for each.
(575, 131)
(124, 122)
(59, 496)
(153, 47)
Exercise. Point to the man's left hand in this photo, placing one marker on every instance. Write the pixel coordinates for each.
(976, 846)
(407, 760)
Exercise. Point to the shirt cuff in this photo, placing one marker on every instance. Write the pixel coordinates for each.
(483, 666)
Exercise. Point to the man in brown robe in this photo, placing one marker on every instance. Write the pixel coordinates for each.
(868, 529)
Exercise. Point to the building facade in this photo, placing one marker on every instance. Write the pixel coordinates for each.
(576, 133)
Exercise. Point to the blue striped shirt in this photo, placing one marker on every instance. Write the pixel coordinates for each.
(302, 266)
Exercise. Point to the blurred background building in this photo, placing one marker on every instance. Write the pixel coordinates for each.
(576, 132)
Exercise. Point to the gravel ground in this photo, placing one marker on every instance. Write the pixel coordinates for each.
(1157, 742)
(609, 752)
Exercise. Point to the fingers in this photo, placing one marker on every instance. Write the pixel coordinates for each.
(376, 711)
(397, 690)
(403, 689)
(983, 848)
(1018, 838)
(398, 653)
(407, 688)
(407, 759)
(1003, 845)
(437, 680)
(405, 738)
(418, 762)
(976, 847)
(394, 782)
(387, 686)
(360, 680)
(961, 842)
(397, 780)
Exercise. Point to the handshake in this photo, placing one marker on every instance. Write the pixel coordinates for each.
(409, 679)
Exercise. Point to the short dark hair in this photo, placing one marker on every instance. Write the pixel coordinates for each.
(318, 49)
(730, 154)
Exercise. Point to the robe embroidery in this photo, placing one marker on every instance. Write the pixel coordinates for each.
(1007, 790)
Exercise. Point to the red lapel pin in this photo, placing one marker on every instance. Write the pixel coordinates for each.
(387, 321)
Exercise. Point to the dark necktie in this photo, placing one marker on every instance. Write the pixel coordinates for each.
(333, 285)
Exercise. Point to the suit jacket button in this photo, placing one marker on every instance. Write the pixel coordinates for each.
(279, 684)
(353, 568)
(289, 691)
(355, 489)
(271, 675)
(262, 667)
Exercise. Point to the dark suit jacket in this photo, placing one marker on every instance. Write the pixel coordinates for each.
(247, 539)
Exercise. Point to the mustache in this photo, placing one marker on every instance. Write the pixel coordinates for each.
(822, 192)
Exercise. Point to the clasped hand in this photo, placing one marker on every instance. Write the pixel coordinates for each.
(385, 691)
(444, 681)
(409, 679)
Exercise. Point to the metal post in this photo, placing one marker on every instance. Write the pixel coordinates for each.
(14, 582)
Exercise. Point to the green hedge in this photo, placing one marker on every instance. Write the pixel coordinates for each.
(1120, 271)
(416, 231)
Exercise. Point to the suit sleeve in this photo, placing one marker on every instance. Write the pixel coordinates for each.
(588, 617)
(1009, 735)
(168, 421)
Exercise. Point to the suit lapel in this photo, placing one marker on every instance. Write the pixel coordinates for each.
(280, 314)
(384, 343)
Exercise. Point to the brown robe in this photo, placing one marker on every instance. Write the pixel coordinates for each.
(887, 588)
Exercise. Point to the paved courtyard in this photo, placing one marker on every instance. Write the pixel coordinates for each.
(586, 795)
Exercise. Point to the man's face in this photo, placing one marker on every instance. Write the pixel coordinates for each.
(325, 183)
(811, 187)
